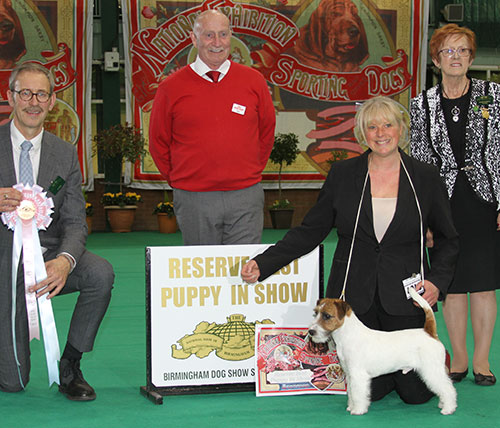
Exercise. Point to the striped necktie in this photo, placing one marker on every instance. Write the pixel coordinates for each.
(25, 166)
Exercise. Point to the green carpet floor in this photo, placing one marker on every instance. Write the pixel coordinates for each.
(117, 368)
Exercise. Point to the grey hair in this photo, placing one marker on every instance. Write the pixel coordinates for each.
(377, 108)
(33, 67)
(198, 21)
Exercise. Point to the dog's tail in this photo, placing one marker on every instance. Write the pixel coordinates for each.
(430, 321)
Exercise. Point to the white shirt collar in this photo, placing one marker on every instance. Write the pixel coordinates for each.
(200, 68)
(17, 138)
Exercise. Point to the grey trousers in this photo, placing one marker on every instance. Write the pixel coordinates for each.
(221, 217)
(93, 278)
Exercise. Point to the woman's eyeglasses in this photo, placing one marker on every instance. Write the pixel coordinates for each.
(459, 51)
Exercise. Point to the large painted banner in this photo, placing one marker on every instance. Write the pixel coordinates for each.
(319, 57)
(57, 34)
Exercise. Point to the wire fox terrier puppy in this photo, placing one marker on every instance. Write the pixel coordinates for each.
(365, 353)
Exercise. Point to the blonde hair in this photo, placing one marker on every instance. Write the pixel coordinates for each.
(380, 108)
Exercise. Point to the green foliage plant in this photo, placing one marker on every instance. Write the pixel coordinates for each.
(284, 153)
(124, 142)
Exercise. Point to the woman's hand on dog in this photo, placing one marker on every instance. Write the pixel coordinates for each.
(250, 272)
(431, 293)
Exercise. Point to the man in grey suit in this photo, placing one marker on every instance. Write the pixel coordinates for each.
(70, 267)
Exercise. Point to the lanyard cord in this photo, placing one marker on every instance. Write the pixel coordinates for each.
(342, 294)
(421, 224)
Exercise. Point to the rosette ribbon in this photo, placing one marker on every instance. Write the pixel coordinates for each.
(32, 215)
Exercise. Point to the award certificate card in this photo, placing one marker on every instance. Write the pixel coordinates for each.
(287, 364)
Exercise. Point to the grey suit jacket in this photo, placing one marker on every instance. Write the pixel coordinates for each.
(68, 230)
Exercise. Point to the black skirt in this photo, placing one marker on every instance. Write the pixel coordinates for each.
(479, 255)
(475, 219)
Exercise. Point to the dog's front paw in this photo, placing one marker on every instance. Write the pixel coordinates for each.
(448, 410)
(356, 411)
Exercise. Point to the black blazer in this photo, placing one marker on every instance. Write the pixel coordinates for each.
(385, 264)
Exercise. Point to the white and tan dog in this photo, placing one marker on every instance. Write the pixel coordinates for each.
(365, 353)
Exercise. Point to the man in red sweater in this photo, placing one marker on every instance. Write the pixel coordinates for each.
(211, 136)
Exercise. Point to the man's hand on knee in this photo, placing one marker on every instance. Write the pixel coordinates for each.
(58, 270)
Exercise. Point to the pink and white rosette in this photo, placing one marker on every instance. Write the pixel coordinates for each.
(32, 215)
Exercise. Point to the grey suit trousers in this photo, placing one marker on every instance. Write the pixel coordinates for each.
(220, 217)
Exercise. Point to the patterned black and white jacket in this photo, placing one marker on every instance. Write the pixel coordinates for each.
(429, 139)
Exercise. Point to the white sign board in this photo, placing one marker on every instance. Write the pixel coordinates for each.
(203, 316)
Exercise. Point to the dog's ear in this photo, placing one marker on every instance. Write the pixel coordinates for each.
(17, 46)
(312, 40)
(343, 308)
(361, 53)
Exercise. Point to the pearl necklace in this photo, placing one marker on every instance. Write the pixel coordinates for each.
(455, 111)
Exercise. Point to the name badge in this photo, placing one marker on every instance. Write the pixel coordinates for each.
(238, 109)
(412, 282)
(56, 185)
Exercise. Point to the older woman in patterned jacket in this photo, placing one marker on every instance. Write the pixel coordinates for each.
(456, 126)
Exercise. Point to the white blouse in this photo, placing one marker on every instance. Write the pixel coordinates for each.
(383, 212)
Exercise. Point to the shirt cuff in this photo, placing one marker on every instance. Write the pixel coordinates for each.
(70, 259)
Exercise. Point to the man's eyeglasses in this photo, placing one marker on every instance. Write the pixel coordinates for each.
(459, 51)
(27, 95)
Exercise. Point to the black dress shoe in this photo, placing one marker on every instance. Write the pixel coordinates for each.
(485, 380)
(72, 383)
(458, 376)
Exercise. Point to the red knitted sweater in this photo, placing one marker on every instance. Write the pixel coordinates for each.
(206, 136)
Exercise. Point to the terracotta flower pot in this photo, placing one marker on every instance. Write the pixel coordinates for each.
(121, 218)
(166, 224)
(281, 218)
